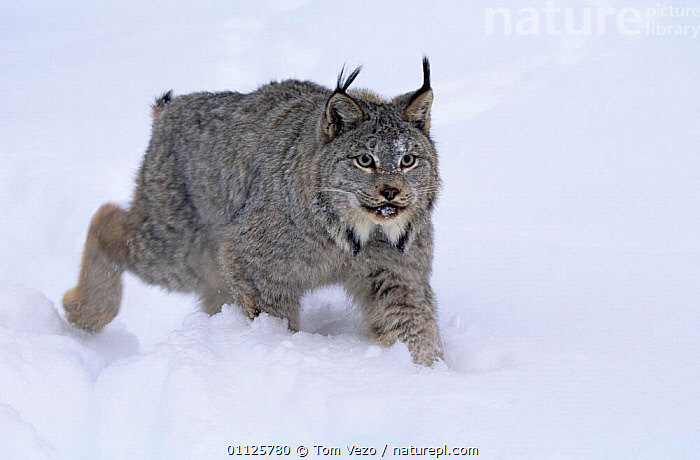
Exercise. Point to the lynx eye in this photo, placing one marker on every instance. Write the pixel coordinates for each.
(407, 161)
(365, 161)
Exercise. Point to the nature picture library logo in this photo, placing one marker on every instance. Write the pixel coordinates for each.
(552, 19)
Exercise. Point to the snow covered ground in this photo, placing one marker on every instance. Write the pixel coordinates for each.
(567, 259)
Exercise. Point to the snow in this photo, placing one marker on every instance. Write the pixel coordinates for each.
(567, 250)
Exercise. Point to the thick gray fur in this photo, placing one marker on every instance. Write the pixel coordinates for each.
(255, 199)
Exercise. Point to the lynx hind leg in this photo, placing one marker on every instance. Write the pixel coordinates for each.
(94, 302)
(217, 290)
(213, 300)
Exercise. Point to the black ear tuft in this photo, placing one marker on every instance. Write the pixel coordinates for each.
(416, 106)
(426, 81)
(344, 83)
(160, 103)
(342, 112)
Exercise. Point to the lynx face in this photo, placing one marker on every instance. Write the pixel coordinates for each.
(382, 181)
(379, 173)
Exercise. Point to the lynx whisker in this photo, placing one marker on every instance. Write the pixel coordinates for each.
(426, 190)
(337, 190)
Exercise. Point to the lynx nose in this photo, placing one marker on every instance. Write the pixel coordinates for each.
(389, 193)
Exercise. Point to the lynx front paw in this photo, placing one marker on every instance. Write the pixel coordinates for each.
(425, 350)
(423, 344)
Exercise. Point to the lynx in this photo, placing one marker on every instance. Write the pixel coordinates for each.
(255, 199)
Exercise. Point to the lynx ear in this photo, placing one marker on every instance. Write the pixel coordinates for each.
(342, 112)
(416, 105)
